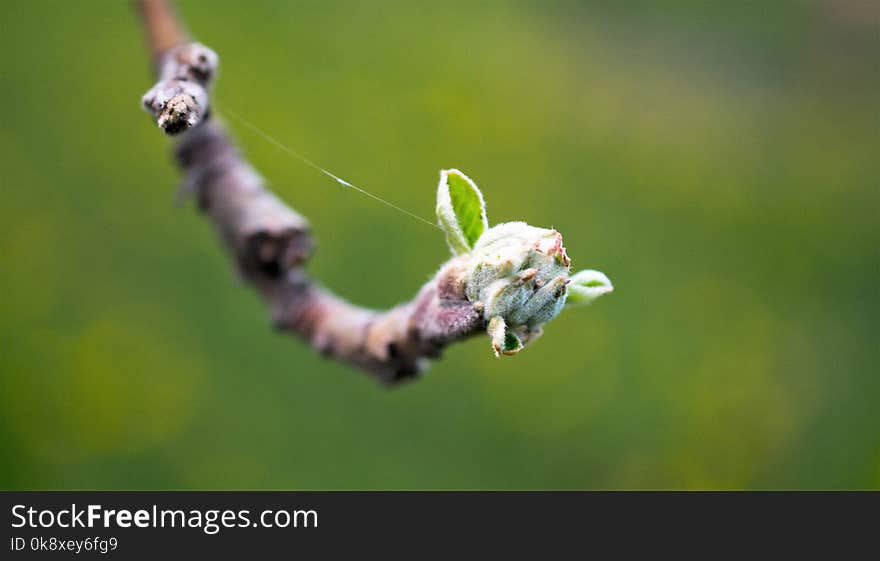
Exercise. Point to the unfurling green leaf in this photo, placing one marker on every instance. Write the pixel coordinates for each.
(586, 286)
(504, 341)
(461, 211)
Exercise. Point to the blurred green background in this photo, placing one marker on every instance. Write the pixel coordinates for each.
(718, 160)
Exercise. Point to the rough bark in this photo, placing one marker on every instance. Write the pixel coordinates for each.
(270, 243)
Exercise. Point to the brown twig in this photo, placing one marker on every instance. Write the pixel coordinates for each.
(163, 28)
(270, 243)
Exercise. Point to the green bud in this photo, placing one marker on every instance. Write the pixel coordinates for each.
(518, 275)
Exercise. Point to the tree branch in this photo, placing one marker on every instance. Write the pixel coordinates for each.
(164, 30)
(270, 243)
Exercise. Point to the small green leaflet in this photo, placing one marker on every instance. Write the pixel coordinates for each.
(461, 211)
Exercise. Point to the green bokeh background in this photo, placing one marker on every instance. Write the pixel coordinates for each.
(718, 160)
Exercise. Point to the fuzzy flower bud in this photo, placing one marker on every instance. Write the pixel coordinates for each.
(517, 275)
